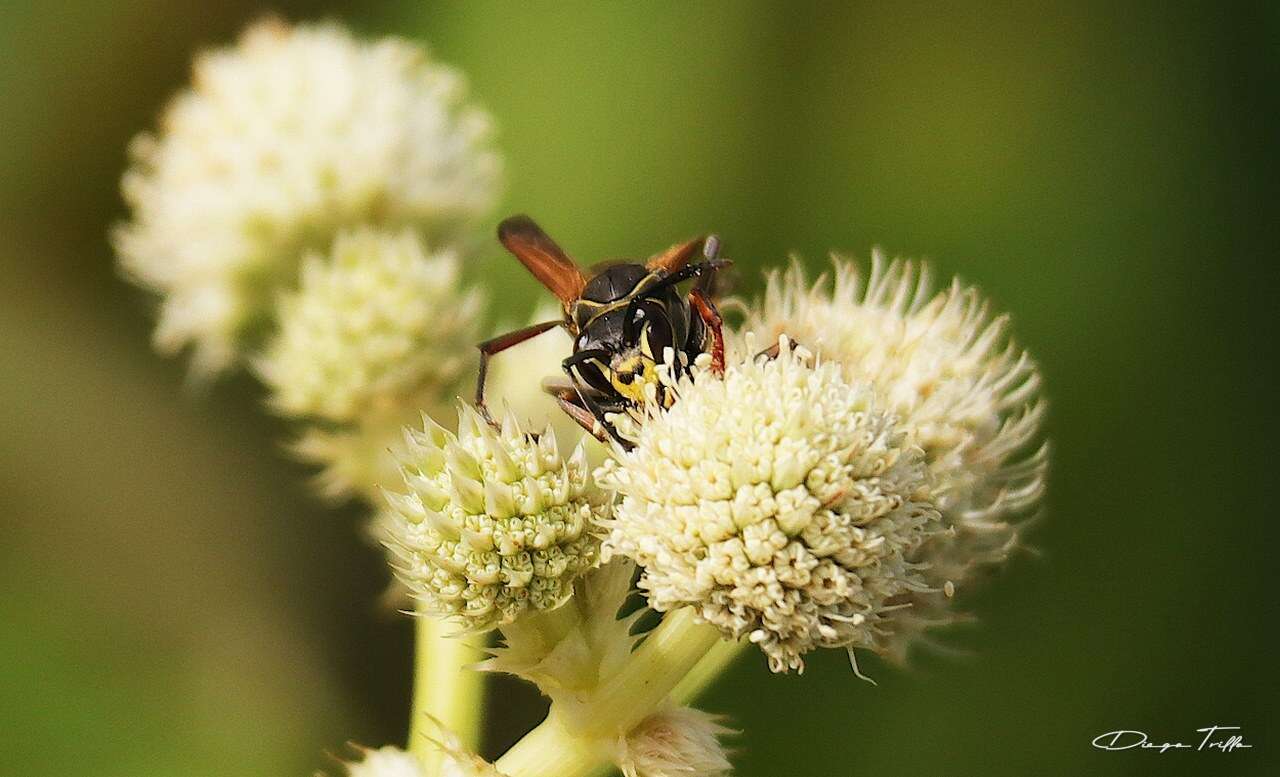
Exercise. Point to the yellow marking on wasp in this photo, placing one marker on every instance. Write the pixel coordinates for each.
(631, 375)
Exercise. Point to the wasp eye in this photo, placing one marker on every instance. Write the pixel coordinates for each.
(625, 378)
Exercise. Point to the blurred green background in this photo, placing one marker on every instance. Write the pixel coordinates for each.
(173, 602)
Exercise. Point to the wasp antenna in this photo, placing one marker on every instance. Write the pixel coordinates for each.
(711, 247)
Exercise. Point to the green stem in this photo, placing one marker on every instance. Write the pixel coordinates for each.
(444, 688)
(577, 737)
(719, 658)
(550, 750)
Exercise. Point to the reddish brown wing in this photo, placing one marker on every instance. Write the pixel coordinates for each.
(676, 257)
(542, 257)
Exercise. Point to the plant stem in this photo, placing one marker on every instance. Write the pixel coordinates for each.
(444, 688)
(719, 658)
(576, 738)
(550, 750)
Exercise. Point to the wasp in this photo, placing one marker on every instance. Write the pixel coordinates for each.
(625, 318)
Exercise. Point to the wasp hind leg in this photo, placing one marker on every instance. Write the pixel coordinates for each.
(497, 345)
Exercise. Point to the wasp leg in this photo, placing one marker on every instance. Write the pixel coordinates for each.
(715, 326)
(497, 345)
(584, 395)
(567, 398)
(772, 351)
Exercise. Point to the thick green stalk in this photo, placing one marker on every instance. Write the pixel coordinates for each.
(444, 689)
(550, 750)
(719, 658)
(576, 738)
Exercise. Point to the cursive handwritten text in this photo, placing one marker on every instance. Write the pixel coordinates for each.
(1212, 738)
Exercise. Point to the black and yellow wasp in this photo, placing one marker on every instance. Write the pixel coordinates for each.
(623, 317)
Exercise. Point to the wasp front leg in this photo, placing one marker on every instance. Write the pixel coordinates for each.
(772, 351)
(587, 413)
(568, 401)
(580, 396)
(714, 324)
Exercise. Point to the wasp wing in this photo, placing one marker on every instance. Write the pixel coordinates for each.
(541, 256)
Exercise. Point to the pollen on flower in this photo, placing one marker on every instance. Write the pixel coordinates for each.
(281, 141)
(491, 523)
(963, 390)
(781, 502)
(376, 321)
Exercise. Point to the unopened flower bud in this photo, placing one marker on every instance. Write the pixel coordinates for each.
(491, 522)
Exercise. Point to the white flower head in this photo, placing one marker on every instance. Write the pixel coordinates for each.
(675, 742)
(781, 502)
(493, 522)
(373, 323)
(457, 761)
(282, 140)
(963, 390)
(389, 761)
(386, 761)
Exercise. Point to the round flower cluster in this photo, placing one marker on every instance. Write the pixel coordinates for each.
(493, 522)
(281, 141)
(375, 322)
(385, 762)
(389, 761)
(967, 395)
(779, 501)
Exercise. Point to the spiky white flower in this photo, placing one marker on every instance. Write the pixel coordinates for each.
(780, 501)
(675, 742)
(492, 523)
(386, 761)
(455, 761)
(371, 324)
(967, 394)
(281, 141)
